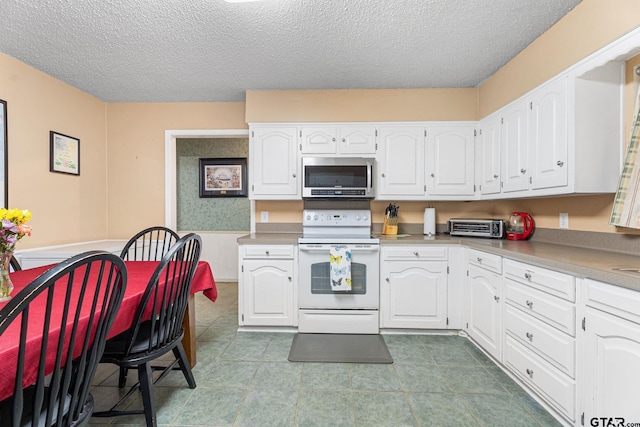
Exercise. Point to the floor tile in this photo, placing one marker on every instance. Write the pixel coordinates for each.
(327, 376)
(422, 378)
(440, 409)
(538, 412)
(212, 407)
(452, 356)
(231, 374)
(471, 380)
(320, 408)
(278, 375)
(407, 349)
(266, 408)
(374, 377)
(498, 410)
(382, 409)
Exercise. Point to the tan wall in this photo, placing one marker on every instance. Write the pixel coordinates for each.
(136, 155)
(588, 27)
(361, 105)
(65, 208)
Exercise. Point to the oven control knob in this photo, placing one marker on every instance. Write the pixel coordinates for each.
(357, 217)
(365, 218)
(308, 217)
(315, 217)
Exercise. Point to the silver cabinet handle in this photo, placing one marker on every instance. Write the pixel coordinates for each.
(529, 372)
(416, 253)
(529, 303)
(344, 140)
(266, 253)
(333, 140)
(383, 175)
(527, 275)
(433, 175)
(523, 171)
(560, 163)
(529, 335)
(289, 278)
(294, 175)
(387, 279)
(479, 259)
(495, 176)
(497, 298)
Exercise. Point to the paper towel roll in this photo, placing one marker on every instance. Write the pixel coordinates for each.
(430, 221)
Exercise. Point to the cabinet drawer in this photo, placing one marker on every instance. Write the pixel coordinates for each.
(613, 299)
(268, 251)
(556, 312)
(485, 260)
(557, 348)
(558, 389)
(407, 253)
(558, 284)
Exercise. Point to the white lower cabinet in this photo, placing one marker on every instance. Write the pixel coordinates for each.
(610, 351)
(266, 286)
(413, 287)
(483, 306)
(539, 333)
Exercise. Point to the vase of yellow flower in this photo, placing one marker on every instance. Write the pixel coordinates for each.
(14, 228)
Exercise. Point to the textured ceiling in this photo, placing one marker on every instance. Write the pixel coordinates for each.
(210, 50)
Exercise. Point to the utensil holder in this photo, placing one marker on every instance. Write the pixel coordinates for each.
(390, 226)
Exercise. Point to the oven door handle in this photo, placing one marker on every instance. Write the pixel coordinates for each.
(326, 248)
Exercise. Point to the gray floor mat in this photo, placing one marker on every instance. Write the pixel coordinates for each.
(339, 348)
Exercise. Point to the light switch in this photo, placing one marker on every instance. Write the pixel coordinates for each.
(264, 216)
(564, 220)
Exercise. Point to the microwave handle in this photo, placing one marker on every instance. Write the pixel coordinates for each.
(369, 177)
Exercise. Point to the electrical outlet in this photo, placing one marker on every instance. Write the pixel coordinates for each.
(264, 216)
(564, 220)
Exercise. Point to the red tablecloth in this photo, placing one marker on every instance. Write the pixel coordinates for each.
(139, 273)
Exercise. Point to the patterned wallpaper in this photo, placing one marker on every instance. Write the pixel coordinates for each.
(208, 214)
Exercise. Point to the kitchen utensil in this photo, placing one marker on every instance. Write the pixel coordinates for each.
(520, 226)
(390, 225)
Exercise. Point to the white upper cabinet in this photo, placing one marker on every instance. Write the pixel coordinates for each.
(347, 139)
(357, 139)
(401, 162)
(488, 155)
(318, 140)
(548, 149)
(450, 160)
(513, 146)
(273, 166)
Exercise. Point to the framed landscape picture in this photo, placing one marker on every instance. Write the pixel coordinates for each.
(64, 153)
(223, 177)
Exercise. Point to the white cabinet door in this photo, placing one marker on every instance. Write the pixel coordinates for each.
(357, 140)
(484, 309)
(488, 155)
(274, 163)
(513, 146)
(319, 140)
(450, 160)
(548, 135)
(267, 293)
(401, 161)
(611, 367)
(413, 295)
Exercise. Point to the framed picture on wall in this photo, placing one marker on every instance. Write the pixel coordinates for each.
(223, 177)
(64, 153)
(4, 158)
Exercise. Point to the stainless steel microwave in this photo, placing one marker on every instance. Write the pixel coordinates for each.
(337, 177)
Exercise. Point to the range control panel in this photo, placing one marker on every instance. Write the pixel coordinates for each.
(339, 218)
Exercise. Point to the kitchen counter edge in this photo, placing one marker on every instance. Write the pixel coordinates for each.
(577, 261)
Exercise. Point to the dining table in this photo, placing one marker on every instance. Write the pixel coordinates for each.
(138, 275)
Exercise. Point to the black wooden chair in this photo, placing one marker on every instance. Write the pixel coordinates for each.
(57, 394)
(157, 326)
(14, 264)
(149, 244)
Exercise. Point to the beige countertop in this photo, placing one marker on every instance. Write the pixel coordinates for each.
(580, 262)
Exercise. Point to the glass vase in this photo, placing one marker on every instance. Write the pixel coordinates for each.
(6, 287)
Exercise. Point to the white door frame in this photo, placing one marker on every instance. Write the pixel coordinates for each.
(170, 191)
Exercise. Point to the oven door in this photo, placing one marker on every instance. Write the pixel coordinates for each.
(315, 283)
